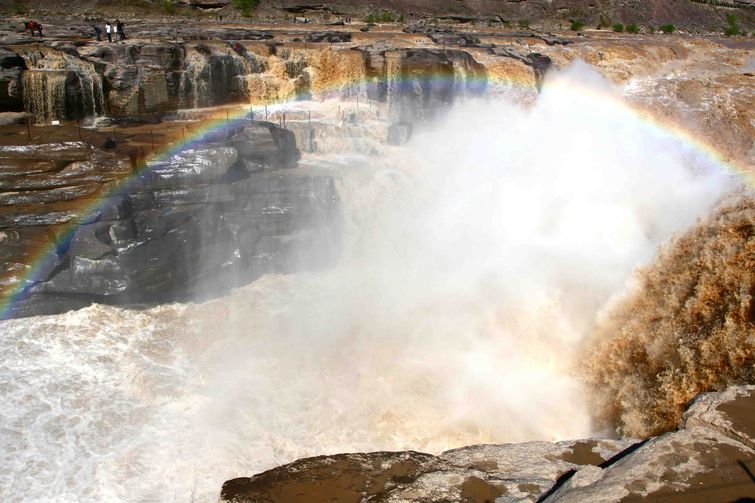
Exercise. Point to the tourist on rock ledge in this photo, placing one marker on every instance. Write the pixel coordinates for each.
(109, 31)
(119, 30)
(98, 32)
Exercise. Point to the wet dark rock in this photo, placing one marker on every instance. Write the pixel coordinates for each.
(449, 38)
(265, 144)
(29, 197)
(209, 33)
(196, 166)
(196, 223)
(333, 37)
(11, 66)
(708, 459)
(478, 473)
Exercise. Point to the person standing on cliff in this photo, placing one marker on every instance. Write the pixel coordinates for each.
(109, 31)
(119, 30)
(115, 29)
(98, 32)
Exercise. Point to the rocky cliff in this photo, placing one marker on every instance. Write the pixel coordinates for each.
(710, 457)
(196, 222)
(690, 14)
(159, 69)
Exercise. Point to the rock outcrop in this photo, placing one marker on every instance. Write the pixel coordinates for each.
(710, 456)
(196, 222)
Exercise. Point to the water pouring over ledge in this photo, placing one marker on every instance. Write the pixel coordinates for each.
(475, 261)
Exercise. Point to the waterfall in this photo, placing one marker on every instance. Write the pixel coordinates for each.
(213, 79)
(393, 78)
(57, 86)
(194, 82)
(44, 94)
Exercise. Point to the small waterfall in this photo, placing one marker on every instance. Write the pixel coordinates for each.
(470, 78)
(393, 78)
(212, 78)
(339, 74)
(57, 86)
(194, 82)
(44, 94)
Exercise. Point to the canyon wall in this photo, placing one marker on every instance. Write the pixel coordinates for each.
(125, 80)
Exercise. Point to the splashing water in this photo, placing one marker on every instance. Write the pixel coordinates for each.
(476, 259)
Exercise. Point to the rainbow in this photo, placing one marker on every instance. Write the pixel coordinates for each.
(351, 88)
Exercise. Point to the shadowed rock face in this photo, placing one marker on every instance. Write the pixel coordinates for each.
(11, 66)
(193, 224)
(707, 459)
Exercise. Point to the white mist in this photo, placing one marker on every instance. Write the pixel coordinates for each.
(476, 260)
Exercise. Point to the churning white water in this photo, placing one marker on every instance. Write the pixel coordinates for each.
(476, 259)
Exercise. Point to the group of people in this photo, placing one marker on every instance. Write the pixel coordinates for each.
(111, 29)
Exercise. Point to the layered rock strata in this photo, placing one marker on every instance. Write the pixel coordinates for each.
(123, 80)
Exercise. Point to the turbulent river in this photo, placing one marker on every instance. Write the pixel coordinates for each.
(476, 260)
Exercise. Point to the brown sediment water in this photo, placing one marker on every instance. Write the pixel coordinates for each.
(686, 325)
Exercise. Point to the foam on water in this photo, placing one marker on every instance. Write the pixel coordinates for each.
(475, 262)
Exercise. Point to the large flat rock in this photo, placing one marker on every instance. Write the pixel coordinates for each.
(710, 458)
(510, 472)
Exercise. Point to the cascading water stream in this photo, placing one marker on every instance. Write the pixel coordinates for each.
(476, 259)
(56, 86)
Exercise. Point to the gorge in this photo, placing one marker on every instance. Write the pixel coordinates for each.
(244, 245)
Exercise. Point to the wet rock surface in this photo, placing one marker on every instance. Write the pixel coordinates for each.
(477, 473)
(140, 76)
(708, 459)
(188, 225)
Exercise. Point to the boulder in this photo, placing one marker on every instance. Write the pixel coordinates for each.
(190, 167)
(477, 473)
(710, 458)
(194, 223)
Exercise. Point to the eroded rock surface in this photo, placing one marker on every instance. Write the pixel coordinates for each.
(507, 472)
(193, 223)
(710, 458)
